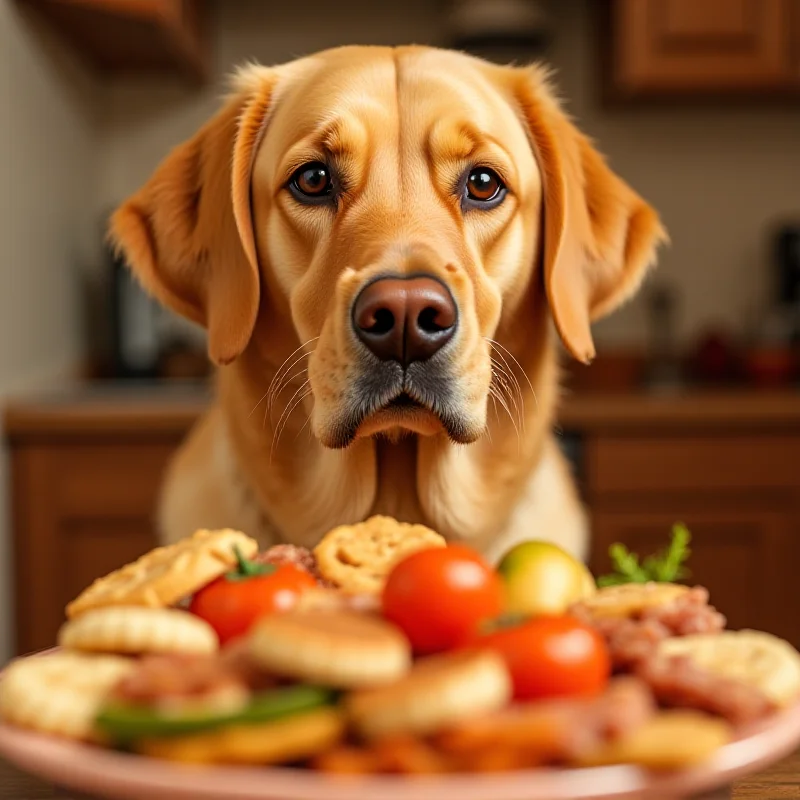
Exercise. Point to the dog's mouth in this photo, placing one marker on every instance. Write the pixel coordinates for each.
(404, 402)
(387, 401)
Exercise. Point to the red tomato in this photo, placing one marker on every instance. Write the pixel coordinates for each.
(552, 657)
(232, 603)
(440, 595)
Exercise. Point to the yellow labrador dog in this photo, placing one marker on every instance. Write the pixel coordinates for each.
(378, 242)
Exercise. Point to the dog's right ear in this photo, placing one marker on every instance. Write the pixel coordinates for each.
(188, 232)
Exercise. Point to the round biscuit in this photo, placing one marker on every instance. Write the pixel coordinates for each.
(760, 660)
(629, 599)
(136, 630)
(358, 558)
(163, 576)
(342, 649)
(438, 692)
(60, 693)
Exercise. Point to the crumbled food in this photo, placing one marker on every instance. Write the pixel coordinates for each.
(300, 557)
(677, 682)
(636, 636)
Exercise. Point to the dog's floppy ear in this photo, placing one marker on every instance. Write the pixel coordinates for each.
(599, 235)
(188, 232)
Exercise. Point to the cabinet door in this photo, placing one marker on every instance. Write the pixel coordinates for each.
(685, 47)
(80, 511)
(744, 558)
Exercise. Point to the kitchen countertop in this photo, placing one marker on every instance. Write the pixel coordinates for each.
(96, 408)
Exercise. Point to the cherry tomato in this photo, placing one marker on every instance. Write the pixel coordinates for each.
(439, 596)
(233, 602)
(551, 657)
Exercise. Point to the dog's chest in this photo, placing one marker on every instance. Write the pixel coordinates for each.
(396, 494)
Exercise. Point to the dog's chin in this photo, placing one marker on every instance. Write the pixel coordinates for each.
(395, 421)
(399, 417)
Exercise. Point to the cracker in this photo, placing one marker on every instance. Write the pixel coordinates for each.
(166, 575)
(358, 558)
(670, 740)
(293, 738)
(438, 692)
(631, 599)
(60, 693)
(136, 630)
(760, 660)
(343, 649)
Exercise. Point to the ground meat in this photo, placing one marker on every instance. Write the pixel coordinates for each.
(554, 731)
(690, 613)
(630, 640)
(175, 680)
(582, 725)
(677, 682)
(626, 705)
(300, 557)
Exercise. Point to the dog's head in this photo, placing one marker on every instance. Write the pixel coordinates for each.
(389, 210)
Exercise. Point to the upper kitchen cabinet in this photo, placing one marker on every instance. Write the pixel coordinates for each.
(703, 48)
(142, 37)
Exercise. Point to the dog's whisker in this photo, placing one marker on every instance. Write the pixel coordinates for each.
(516, 361)
(509, 372)
(504, 404)
(283, 385)
(297, 402)
(511, 390)
(289, 407)
(495, 343)
(287, 413)
(308, 419)
(257, 404)
(280, 371)
(276, 387)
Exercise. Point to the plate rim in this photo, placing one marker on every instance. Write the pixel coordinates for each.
(120, 775)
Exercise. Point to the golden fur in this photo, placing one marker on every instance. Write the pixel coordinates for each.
(215, 235)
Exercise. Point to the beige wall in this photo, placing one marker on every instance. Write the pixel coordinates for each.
(48, 139)
(719, 177)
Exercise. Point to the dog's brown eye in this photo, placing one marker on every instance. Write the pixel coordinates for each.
(484, 185)
(312, 180)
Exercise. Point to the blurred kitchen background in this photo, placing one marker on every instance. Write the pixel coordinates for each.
(692, 410)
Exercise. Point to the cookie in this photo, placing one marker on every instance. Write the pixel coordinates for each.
(631, 599)
(342, 649)
(357, 558)
(760, 660)
(165, 575)
(286, 740)
(60, 693)
(438, 692)
(135, 630)
(670, 740)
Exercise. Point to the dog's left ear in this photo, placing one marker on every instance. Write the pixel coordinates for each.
(187, 234)
(599, 235)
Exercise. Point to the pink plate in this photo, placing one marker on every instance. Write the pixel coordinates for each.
(119, 776)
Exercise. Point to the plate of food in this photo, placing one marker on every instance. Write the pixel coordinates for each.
(389, 663)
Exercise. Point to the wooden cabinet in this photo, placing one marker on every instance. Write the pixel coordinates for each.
(85, 482)
(133, 36)
(684, 48)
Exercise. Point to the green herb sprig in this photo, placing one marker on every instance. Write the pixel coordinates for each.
(665, 566)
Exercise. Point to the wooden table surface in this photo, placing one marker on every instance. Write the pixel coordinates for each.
(779, 783)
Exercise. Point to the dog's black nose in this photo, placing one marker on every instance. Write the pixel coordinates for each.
(405, 319)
